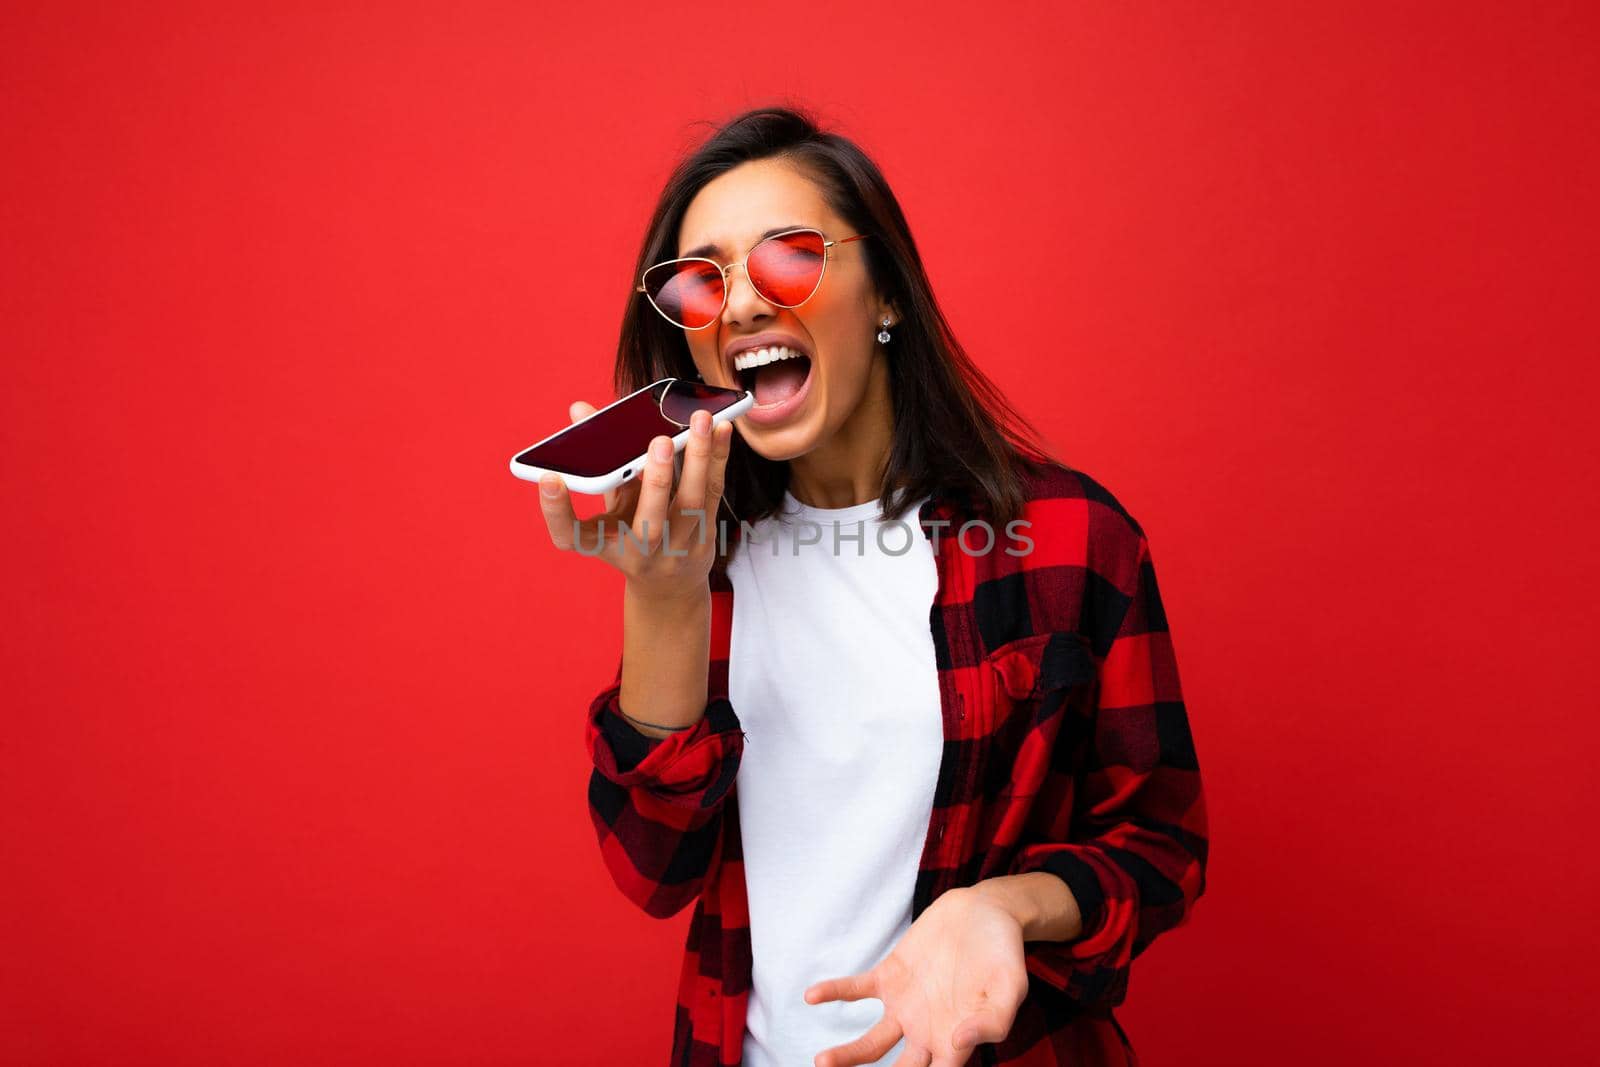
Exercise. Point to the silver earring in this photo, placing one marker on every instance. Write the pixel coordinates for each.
(883, 334)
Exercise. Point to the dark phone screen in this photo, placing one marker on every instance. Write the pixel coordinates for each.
(621, 433)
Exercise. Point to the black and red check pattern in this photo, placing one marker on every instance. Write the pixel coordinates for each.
(1067, 749)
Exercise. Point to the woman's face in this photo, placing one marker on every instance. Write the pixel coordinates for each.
(804, 402)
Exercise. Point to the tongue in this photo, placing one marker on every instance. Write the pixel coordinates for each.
(777, 382)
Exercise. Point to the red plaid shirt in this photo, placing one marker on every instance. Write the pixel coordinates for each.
(1067, 749)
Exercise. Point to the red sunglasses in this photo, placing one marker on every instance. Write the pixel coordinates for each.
(785, 269)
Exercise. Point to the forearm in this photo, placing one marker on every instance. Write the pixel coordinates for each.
(665, 657)
(1040, 902)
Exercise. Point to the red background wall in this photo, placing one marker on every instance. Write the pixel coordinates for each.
(294, 683)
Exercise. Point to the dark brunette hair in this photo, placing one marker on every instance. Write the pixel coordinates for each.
(953, 428)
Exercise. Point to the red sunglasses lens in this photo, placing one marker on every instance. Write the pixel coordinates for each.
(688, 293)
(786, 269)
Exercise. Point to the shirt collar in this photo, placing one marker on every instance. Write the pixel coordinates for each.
(949, 504)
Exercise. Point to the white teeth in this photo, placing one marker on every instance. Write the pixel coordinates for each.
(759, 357)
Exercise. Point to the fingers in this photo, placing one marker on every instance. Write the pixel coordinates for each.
(655, 493)
(914, 1056)
(705, 473)
(691, 495)
(853, 987)
(982, 1026)
(717, 467)
(992, 1021)
(556, 504)
(868, 1048)
(696, 459)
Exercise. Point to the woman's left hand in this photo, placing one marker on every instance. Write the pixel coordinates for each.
(955, 980)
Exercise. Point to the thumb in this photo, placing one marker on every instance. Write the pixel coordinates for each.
(983, 1025)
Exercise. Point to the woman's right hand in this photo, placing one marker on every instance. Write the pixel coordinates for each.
(649, 508)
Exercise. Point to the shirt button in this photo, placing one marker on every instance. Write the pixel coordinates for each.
(941, 831)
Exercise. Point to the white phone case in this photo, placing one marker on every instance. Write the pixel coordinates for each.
(601, 483)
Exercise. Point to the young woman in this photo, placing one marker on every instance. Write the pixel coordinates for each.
(936, 757)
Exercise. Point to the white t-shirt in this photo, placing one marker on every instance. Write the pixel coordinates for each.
(831, 671)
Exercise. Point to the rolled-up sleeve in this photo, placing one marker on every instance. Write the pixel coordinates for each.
(657, 803)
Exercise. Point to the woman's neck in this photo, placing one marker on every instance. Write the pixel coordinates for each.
(848, 468)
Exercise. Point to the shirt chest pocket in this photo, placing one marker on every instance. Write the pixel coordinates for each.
(1040, 692)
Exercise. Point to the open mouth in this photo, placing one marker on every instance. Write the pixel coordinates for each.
(773, 374)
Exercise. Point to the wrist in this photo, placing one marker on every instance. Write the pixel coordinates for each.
(664, 661)
(1004, 892)
(1040, 902)
(655, 729)
(667, 608)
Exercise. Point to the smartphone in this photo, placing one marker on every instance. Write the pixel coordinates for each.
(601, 451)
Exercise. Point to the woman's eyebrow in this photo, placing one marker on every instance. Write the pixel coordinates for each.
(708, 249)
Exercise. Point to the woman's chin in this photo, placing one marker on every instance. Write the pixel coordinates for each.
(790, 439)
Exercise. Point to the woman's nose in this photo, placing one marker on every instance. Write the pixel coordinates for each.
(744, 303)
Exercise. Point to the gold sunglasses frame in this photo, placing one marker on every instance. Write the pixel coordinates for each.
(743, 264)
